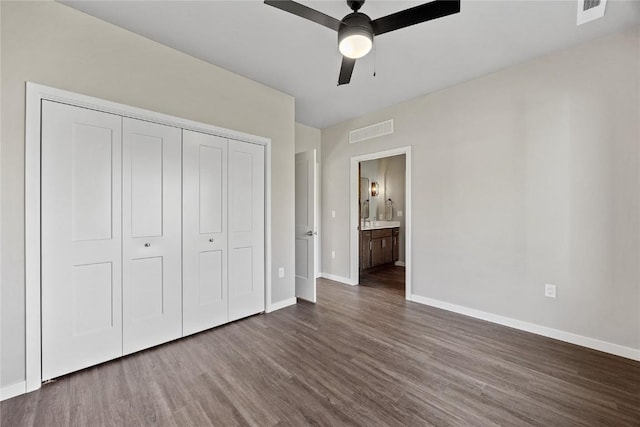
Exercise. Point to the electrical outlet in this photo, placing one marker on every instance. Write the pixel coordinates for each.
(550, 291)
(281, 272)
(333, 254)
(400, 213)
(333, 214)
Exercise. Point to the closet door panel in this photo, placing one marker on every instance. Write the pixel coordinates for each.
(81, 238)
(146, 185)
(152, 280)
(147, 293)
(91, 183)
(246, 229)
(210, 283)
(212, 182)
(204, 231)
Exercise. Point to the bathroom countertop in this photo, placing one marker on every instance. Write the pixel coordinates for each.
(377, 225)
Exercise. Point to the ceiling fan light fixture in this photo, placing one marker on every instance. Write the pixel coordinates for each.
(355, 46)
(355, 37)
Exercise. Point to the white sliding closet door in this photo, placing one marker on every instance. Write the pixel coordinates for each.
(152, 288)
(246, 229)
(81, 238)
(204, 228)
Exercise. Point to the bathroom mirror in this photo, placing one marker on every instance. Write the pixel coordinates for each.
(364, 197)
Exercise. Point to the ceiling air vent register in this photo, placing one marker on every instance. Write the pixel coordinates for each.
(588, 10)
(373, 131)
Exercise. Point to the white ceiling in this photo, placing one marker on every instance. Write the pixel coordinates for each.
(300, 57)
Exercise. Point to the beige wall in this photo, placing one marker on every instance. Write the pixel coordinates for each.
(51, 44)
(307, 138)
(526, 176)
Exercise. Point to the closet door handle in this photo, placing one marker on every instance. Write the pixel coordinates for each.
(146, 245)
(211, 240)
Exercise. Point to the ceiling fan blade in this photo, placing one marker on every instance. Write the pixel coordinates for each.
(305, 12)
(415, 15)
(346, 69)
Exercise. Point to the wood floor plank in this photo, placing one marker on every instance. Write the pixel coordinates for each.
(361, 356)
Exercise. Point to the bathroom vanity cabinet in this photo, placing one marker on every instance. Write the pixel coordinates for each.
(378, 246)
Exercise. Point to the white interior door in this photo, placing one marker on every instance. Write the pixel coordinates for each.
(152, 277)
(204, 238)
(317, 219)
(305, 225)
(246, 229)
(81, 238)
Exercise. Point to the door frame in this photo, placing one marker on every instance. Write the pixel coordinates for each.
(35, 94)
(355, 209)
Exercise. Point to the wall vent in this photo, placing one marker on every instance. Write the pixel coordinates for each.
(589, 10)
(373, 131)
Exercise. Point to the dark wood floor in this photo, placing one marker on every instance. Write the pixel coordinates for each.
(391, 279)
(361, 356)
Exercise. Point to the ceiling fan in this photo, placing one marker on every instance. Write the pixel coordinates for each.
(356, 30)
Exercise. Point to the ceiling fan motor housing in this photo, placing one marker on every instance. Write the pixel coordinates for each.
(355, 24)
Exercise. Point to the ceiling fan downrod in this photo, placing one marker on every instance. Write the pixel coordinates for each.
(355, 5)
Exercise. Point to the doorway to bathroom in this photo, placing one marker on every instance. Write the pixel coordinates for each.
(381, 221)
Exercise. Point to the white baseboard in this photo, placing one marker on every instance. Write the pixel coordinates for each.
(595, 344)
(340, 279)
(400, 263)
(281, 304)
(13, 390)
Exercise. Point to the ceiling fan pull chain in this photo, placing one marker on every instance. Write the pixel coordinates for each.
(374, 60)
